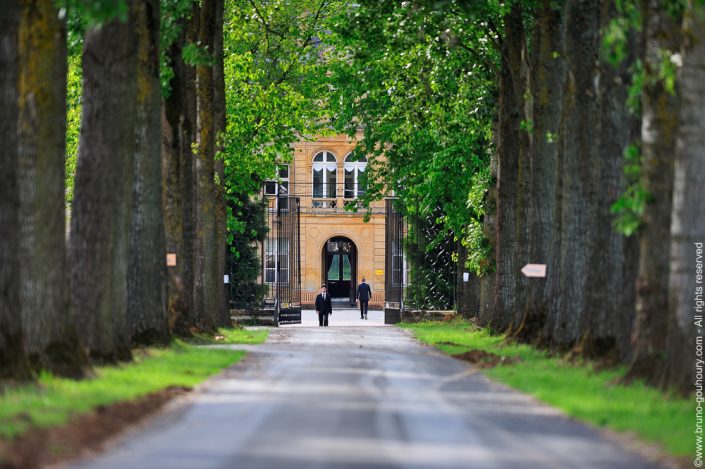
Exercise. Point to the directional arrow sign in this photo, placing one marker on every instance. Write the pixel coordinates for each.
(534, 270)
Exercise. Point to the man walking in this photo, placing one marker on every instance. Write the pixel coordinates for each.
(364, 295)
(324, 307)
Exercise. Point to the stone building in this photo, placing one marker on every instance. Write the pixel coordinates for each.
(335, 246)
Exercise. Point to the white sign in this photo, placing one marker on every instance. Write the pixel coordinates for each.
(466, 276)
(534, 270)
(171, 259)
(226, 278)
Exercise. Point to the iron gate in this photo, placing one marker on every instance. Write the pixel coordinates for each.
(429, 252)
(394, 262)
(420, 271)
(282, 262)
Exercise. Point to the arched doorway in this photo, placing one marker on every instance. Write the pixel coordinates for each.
(339, 259)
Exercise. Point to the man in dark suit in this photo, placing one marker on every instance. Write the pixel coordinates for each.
(324, 307)
(364, 295)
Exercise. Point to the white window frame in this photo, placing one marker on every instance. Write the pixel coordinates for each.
(279, 182)
(329, 161)
(406, 267)
(270, 248)
(401, 275)
(356, 167)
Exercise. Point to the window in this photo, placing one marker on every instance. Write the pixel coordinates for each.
(325, 168)
(333, 271)
(276, 261)
(347, 268)
(270, 188)
(400, 267)
(340, 268)
(279, 187)
(354, 187)
(407, 271)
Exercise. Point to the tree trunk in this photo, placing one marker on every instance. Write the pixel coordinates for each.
(223, 313)
(468, 292)
(177, 181)
(13, 362)
(611, 270)
(188, 180)
(512, 146)
(658, 135)
(100, 218)
(147, 271)
(488, 282)
(50, 340)
(576, 140)
(206, 281)
(547, 78)
(525, 136)
(688, 223)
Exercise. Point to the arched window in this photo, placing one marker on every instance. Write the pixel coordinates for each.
(354, 187)
(325, 168)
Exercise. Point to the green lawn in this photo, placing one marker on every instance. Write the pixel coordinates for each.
(578, 389)
(52, 401)
(232, 336)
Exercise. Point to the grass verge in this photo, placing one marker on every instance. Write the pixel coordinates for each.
(231, 336)
(579, 389)
(53, 401)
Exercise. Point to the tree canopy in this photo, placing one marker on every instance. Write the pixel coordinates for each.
(562, 133)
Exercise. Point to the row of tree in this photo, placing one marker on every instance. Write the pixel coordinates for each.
(593, 114)
(565, 133)
(606, 294)
(147, 183)
(152, 165)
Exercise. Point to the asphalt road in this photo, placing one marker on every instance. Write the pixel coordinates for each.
(354, 397)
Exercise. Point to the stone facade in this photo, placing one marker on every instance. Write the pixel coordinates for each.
(325, 218)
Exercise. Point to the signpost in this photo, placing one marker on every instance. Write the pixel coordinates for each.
(534, 270)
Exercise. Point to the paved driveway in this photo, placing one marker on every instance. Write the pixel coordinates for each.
(354, 397)
(341, 317)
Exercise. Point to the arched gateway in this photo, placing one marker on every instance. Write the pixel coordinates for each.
(339, 267)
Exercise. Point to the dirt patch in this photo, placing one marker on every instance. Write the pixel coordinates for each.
(39, 447)
(483, 359)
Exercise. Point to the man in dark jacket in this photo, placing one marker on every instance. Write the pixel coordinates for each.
(364, 295)
(324, 307)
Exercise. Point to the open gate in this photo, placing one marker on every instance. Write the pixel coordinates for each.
(393, 262)
(282, 262)
(429, 252)
(420, 271)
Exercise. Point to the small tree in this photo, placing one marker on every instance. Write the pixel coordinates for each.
(245, 238)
